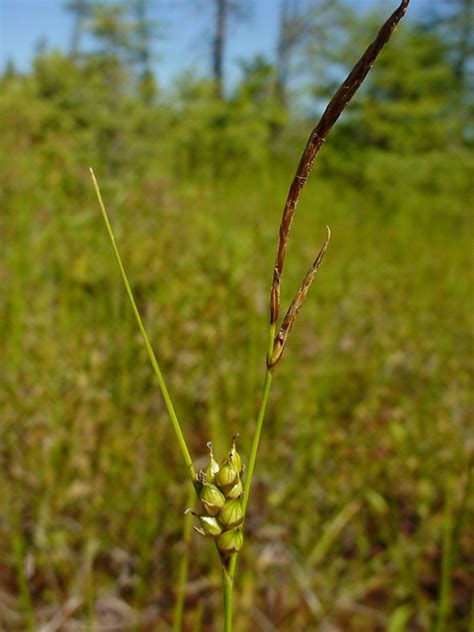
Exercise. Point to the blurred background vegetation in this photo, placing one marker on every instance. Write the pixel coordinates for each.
(362, 502)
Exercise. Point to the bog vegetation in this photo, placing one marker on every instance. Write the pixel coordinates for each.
(361, 515)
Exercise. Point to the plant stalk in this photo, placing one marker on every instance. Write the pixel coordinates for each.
(151, 354)
(260, 417)
(256, 439)
(228, 585)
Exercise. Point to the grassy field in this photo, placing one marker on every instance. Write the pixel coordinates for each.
(362, 503)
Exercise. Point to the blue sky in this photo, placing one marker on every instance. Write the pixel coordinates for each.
(184, 38)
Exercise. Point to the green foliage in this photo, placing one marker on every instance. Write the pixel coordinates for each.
(404, 109)
(354, 525)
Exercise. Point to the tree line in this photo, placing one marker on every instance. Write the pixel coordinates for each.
(418, 100)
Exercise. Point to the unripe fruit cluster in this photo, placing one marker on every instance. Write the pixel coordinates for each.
(220, 494)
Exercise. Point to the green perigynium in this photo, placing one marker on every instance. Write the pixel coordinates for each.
(236, 491)
(231, 514)
(213, 467)
(209, 525)
(212, 498)
(233, 456)
(227, 477)
(230, 541)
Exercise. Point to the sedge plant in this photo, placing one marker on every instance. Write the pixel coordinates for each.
(223, 489)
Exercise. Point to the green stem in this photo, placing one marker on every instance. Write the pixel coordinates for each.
(260, 417)
(228, 585)
(164, 389)
(256, 438)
